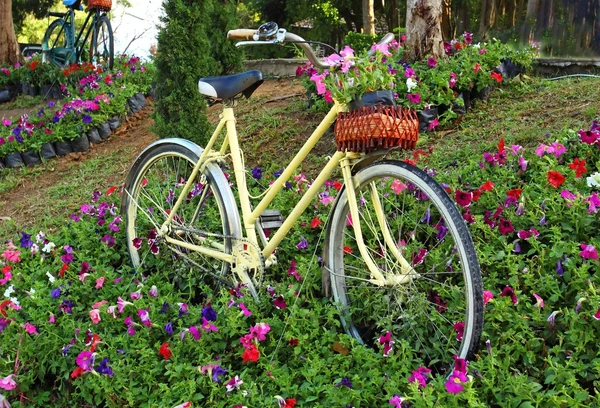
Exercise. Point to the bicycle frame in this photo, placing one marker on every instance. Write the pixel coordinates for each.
(69, 18)
(345, 160)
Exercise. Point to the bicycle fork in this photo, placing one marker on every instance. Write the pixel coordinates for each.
(407, 272)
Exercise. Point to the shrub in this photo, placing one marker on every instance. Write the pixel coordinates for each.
(360, 42)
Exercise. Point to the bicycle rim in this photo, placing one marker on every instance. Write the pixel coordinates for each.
(437, 314)
(56, 45)
(102, 46)
(200, 220)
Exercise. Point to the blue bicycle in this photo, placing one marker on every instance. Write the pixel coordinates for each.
(94, 42)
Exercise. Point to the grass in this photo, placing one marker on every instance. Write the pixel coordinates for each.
(23, 101)
(271, 133)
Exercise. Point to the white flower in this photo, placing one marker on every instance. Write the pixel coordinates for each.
(10, 290)
(39, 238)
(477, 46)
(411, 83)
(594, 180)
(15, 301)
(51, 277)
(48, 247)
(34, 249)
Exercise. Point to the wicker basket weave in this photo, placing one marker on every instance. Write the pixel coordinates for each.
(100, 4)
(376, 127)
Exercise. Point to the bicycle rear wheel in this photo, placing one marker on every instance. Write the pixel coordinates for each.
(102, 47)
(439, 312)
(208, 215)
(57, 47)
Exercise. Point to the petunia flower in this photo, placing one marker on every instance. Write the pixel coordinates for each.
(505, 226)
(95, 316)
(420, 375)
(508, 291)
(455, 381)
(579, 167)
(145, 317)
(165, 351)
(588, 251)
(460, 328)
(396, 401)
(233, 383)
(30, 328)
(387, 342)
(414, 98)
(100, 282)
(593, 203)
(555, 178)
(463, 198)
(85, 360)
(552, 317)
(303, 244)
(245, 311)
(121, 304)
(539, 302)
(251, 354)
(397, 186)
(345, 382)
(195, 332)
(260, 330)
(208, 326)
(7, 383)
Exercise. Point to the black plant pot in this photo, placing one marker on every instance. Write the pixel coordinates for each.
(2, 165)
(4, 96)
(426, 117)
(80, 144)
(47, 151)
(14, 90)
(133, 104)
(457, 108)
(46, 91)
(385, 98)
(94, 137)
(114, 122)
(63, 148)
(30, 89)
(141, 99)
(104, 131)
(13, 160)
(31, 158)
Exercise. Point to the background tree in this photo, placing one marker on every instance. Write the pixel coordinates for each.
(423, 29)
(191, 45)
(368, 10)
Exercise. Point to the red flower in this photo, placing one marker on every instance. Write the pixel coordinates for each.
(77, 372)
(337, 185)
(487, 186)
(63, 270)
(33, 64)
(293, 342)
(463, 198)
(111, 190)
(476, 195)
(497, 76)
(315, 222)
(505, 226)
(555, 178)
(579, 167)
(348, 250)
(289, 403)
(501, 145)
(516, 193)
(165, 351)
(251, 354)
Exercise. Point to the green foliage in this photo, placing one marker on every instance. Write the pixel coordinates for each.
(360, 42)
(191, 44)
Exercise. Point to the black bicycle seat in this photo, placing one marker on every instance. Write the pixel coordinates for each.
(228, 86)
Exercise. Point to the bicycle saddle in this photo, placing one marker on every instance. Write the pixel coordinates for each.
(76, 4)
(228, 86)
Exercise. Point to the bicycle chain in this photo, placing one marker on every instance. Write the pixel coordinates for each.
(237, 240)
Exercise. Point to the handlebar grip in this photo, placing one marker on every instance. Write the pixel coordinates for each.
(388, 38)
(241, 34)
(55, 14)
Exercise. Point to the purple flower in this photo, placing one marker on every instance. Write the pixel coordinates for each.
(56, 292)
(183, 309)
(85, 360)
(4, 323)
(26, 241)
(169, 328)
(345, 382)
(104, 368)
(164, 308)
(257, 173)
(303, 244)
(209, 313)
(109, 240)
(218, 371)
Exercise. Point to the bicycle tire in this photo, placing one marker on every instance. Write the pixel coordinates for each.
(154, 178)
(57, 46)
(448, 289)
(102, 47)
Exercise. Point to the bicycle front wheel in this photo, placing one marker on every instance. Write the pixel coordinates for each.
(435, 306)
(207, 216)
(57, 47)
(102, 50)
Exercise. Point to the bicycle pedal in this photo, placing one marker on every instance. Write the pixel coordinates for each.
(270, 219)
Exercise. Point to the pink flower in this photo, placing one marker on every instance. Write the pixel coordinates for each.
(208, 326)
(431, 62)
(7, 383)
(99, 304)
(327, 96)
(279, 302)
(100, 282)
(195, 333)
(121, 304)
(487, 296)
(260, 330)
(463, 198)
(244, 309)
(420, 375)
(460, 329)
(153, 291)
(382, 48)
(597, 314)
(414, 98)
(95, 316)
(454, 383)
(30, 328)
(144, 317)
(52, 319)
(111, 310)
(387, 342)
(11, 256)
(435, 123)
(523, 163)
(588, 252)
(85, 360)
(396, 401)
(558, 148)
(539, 302)
(247, 340)
(593, 202)
(347, 52)
(135, 295)
(398, 186)
(318, 80)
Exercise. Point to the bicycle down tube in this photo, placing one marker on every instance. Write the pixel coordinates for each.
(249, 216)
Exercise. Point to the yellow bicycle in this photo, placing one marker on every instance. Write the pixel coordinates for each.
(397, 255)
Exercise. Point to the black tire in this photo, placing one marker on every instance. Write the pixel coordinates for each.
(151, 191)
(102, 49)
(57, 47)
(424, 221)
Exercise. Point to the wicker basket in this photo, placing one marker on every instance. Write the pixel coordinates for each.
(105, 5)
(376, 127)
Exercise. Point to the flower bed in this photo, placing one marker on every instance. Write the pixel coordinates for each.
(440, 90)
(94, 104)
(79, 328)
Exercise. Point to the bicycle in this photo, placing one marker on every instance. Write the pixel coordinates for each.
(61, 47)
(397, 256)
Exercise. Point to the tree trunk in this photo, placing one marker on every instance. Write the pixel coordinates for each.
(447, 26)
(484, 21)
(529, 23)
(9, 49)
(423, 29)
(368, 11)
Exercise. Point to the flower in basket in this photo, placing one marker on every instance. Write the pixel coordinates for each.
(350, 76)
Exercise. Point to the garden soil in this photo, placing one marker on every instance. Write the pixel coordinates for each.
(22, 203)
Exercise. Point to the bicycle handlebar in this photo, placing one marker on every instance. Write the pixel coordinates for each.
(250, 37)
(55, 14)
